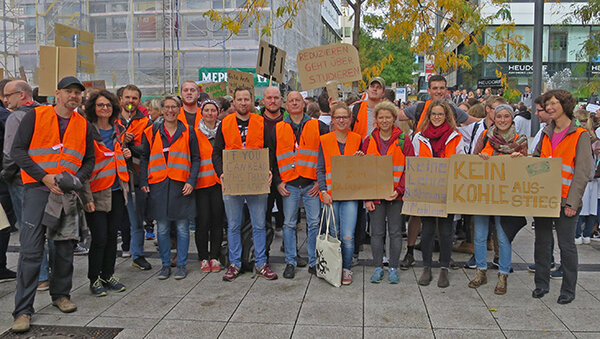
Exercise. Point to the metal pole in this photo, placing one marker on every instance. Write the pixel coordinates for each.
(538, 35)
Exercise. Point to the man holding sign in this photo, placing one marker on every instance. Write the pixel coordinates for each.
(242, 130)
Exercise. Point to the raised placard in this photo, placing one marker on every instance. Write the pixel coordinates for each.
(271, 61)
(318, 65)
(237, 79)
(425, 182)
(55, 64)
(246, 171)
(215, 89)
(366, 177)
(94, 84)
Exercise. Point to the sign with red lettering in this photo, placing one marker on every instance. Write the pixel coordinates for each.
(318, 65)
(425, 183)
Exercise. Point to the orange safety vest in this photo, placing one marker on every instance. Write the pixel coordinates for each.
(297, 159)
(331, 148)
(565, 150)
(207, 176)
(51, 153)
(424, 148)
(422, 117)
(181, 117)
(360, 126)
(488, 149)
(180, 162)
(398, 157)
(231, 132)
(108, 165)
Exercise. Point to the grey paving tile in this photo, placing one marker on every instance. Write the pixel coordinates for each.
(521, 334)
(258, 331)
(331, 313)
(68, 319)
(153, 287)
(517, 294)
(389, 332)
(575, 320)
(588, 280)
(319, 290)
(200, 309)
(6, 320)
(275, 312)
(457, 294)
(212, 287)
(456, 316)
(587, 335)
(134, 306)
(186, 329)
(334, 332)
(280, 289)
(7, 302)
(401, 314)
(132, 327)
(536, 316)
(467, 334)
(87, 305)
(583, 300)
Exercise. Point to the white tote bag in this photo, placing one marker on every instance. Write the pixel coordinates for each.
(329, 250)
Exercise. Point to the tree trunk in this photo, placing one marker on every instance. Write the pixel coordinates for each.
(356, 33)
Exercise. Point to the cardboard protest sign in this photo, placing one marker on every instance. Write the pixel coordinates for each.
(366, 177)
(55, 64)
(82, 40)
(271, 61)
(237, 79)
(246, 171)
(215, 89)
(318, 65)
(332, 89)
(95, 84)
(504, 186)
(425, 182)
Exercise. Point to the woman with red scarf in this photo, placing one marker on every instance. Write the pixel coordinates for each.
(439, 139)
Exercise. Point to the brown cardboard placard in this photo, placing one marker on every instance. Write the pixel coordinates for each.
(22, 74)
(237, 79)
(55, 63)
(503, 185)
(95, 84)
(332, 89)
(246, 171)
(66, 36)
(366, 177)
(215, 89)
(1, 73)
(271, 61)
(318, 65)
(425, 186)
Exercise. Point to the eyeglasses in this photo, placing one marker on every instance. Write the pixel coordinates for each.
(171, 108)
(104, 105)
(438, 115)
(10, 94)
(341, 118)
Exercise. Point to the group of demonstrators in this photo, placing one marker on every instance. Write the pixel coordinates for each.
(123, 166)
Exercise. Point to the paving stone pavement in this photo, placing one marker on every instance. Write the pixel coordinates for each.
(203, 306)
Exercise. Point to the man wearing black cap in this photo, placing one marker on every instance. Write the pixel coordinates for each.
(50, 140)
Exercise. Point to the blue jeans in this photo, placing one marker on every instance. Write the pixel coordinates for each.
(234, 208)
(589, 225)
(312, 206)
(136, 227)
(164, 241)
(481, 223)
(345, 213)
(45, 268)
(16, 197)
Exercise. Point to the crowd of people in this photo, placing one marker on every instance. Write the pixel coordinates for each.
(108, 164)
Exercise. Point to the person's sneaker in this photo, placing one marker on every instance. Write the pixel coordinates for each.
(164, 272)
(126, 254)
(180, 272)
(531, 268)
(578, 241)
(301, 262)
(556, 274)
(377, 275)
(80, 250)
(290, 271)
(231, 273)
(21, 323)
(43, 285)
(587, 240)
(346, 277)
(471, 263)
(97, 288)
(312, 270)
(150, 236)
(7, 275)
(205, 266)
(595, 236)
(114, 284)
(215, 265)
(65, 305)
(407, 262)
(265, 272)
(393, 277)
(141, 263)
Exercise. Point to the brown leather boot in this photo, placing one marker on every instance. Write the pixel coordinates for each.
(21, 323)
(479, 279)
(501, 284)
(425, 278)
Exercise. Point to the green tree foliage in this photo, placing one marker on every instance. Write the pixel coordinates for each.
(373, 50)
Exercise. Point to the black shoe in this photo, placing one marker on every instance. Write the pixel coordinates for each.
(563, 299)
(312, 270)
(289, 272)
(7, 275)
(454, 265)
(409, 260)
(539, 293)
(496, 263)
(141, 263)
(97, 288)
(301, 262)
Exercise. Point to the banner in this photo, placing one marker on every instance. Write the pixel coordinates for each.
(246, 171)
(367, 177)
(425, 185)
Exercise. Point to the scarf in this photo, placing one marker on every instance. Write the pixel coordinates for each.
(437, 137)
(210, 133)
(505, 143)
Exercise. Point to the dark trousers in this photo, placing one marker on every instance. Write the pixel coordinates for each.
(392, 212)
(360, 232)
(103, 228)
(209, 221)
(32, 237)
(445, 237)
(565, 233)
(274, 197)
(4, 239)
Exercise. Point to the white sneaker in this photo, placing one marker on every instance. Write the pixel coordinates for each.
(578, 241)
(587, 240)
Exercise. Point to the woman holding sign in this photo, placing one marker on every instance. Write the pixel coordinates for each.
(339, 142)
(390, 140)
(439, 139)
(168, 171)
(499, 139)
(562, 138)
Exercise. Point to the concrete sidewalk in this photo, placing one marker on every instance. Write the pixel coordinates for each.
(203, 306)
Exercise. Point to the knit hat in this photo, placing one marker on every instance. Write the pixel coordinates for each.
(503, 107)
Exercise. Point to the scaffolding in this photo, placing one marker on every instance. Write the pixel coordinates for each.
(11, 25)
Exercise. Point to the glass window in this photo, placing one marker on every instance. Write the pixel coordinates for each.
(119, 28)
(30, 30)
(347, 32)
(195, 26)
(146, 26)
(97, 7)
(98, 28)
(557, 45)
(119, 6)
(526, 33)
